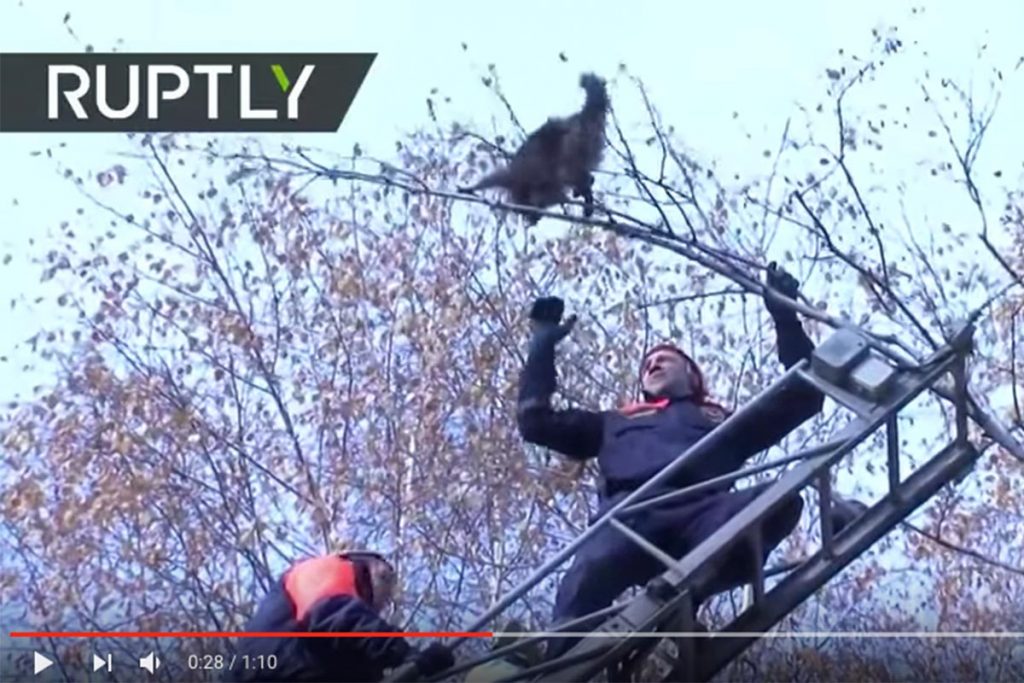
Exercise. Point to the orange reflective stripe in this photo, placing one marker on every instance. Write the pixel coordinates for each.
(317, 579)
(641, 406)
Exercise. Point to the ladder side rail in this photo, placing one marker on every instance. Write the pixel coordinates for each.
(643, 614)
(937, 366)
(707, 443)
(961, 344)
(524, 642)
(878, 520)
(737, 529)
(905, 389)
(959, 394)
(731, 477)
(745, 524)
(556, 664)
(956, 365)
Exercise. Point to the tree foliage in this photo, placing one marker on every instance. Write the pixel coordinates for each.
(272, 354)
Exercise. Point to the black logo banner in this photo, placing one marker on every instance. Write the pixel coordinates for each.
(225, 92)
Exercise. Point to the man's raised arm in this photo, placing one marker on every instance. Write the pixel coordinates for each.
(799, 403)
(572, 432)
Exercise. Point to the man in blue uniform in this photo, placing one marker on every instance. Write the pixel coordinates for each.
(340, 593)
(633, 444)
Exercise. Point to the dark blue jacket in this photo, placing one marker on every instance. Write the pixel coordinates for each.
(632, 448)
(322, 595)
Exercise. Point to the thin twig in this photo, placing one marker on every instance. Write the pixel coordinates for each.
(949, 545)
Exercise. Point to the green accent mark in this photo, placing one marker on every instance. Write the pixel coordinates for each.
(282, 80)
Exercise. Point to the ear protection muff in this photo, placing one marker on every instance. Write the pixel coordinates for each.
(363, 555)
(360, 560)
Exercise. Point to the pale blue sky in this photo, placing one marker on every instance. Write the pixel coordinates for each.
(701, 62)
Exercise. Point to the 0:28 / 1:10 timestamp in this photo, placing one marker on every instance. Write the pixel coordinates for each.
(244, 662)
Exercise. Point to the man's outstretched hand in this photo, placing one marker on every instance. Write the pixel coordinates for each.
(782, 282)
(546, 320)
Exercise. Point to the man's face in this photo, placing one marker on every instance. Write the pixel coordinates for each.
(665, 373)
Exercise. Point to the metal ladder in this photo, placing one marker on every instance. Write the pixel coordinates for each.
(848, 368)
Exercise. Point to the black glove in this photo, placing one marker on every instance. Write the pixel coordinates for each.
(435, 659)
(545, 316)
(782, 282)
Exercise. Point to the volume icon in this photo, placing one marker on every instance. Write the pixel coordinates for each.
(150, 662)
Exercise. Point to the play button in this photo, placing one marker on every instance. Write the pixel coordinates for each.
(40, 663)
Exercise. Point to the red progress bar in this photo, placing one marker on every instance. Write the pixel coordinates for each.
(258, 634)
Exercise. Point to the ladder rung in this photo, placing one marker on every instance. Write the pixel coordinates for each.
(757, 550)
(783, 568)
(892, 448)
(650, 610)
(721, 480)
(709, 443)
(920, 486)
(653, 550)
(825, 514)
(960, 386)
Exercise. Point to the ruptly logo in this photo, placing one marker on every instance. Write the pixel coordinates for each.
(178, 92)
